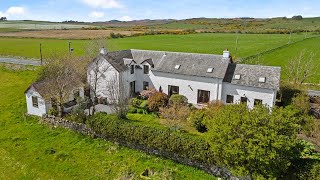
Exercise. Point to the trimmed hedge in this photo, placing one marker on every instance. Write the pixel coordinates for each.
(163, 140)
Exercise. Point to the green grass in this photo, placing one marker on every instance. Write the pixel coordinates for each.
(282, 56)
(249, 44)
(30, 48)
(30, 150)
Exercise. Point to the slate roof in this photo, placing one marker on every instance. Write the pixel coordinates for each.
(197, 65)
(37, 86)
(250, 74)
(193, 64)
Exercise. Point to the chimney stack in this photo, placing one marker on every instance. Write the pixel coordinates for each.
(226, 53)
(103, 50)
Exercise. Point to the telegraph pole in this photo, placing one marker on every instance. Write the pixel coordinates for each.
(40, 53)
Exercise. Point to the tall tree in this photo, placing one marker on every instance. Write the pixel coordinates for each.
(60, 76)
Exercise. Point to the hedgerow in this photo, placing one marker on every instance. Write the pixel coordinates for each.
(168, 142)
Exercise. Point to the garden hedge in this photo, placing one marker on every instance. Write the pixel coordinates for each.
(163, 140)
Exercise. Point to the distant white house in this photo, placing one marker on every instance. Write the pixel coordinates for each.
(38, 106)
(200, 77)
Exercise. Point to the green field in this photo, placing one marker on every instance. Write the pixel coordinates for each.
(282, 56)
(29, 150)
(248, 44)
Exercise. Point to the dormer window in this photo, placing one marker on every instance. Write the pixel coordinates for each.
(145, 69)
(237, 77)
(131, 69)
(262, 79)
(177, 66)
(209, 70)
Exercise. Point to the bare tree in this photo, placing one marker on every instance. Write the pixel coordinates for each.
(301, 67)
(59, 78)
(118, 94)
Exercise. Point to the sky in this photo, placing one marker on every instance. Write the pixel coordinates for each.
(126, 10)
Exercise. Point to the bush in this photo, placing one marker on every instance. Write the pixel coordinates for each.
(301, 101)
(178, 99)
(144, 105)
(132, 109)
(145, 94)
(53, 111)
(157, 101)
(169, 143)
(197, 118)
(135, 102)
(256, 143)
(175, 113)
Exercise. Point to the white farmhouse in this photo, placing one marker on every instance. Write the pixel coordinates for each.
(38, 106)
(200, 77)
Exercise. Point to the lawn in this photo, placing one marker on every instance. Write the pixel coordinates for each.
(30, 150)
(248, 44)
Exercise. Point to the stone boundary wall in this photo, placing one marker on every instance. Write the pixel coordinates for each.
(85, 130)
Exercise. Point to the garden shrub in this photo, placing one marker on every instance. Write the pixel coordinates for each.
(145, 94)
(132, 109)
(140, 111)
(301, 101)
(175, 113)
(255, 143)
(144, 105)
(197, 119)
(178, 99)
(53, 111)
(136, 102)
(170, 143)
(157, 101)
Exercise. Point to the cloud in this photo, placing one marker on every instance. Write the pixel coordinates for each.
(14, 11)
(96, 14)
(105, 4)
(125, 18)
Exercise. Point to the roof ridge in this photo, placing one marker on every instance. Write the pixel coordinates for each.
(177, 52)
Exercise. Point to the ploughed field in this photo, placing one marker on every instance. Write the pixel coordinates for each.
(30, 150)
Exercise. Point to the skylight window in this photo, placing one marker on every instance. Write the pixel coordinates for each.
(237, 77)
(262, 79)
(177, 66)
(209, 70)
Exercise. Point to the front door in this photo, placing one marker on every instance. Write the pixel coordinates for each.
(132, 88)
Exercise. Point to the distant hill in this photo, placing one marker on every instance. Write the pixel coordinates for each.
(278, 25)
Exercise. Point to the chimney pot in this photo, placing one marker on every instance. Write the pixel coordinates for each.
(226, 53)
(103, 50)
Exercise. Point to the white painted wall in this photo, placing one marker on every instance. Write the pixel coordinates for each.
(268, 96)
(43, 106)
(102, 78)
(188, 85)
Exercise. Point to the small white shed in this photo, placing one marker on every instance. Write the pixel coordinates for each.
(38, 106)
